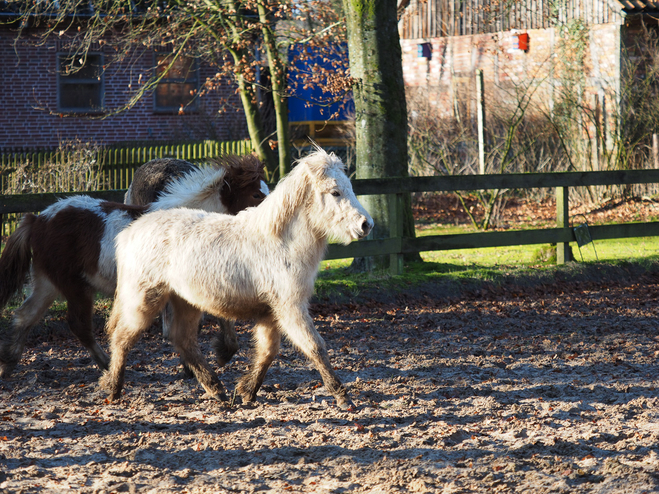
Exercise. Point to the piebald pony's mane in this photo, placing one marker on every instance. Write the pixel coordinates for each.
(192, 189)
(241, 170)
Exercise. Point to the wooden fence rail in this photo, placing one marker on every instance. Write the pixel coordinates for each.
(71, 168)
(396, 245)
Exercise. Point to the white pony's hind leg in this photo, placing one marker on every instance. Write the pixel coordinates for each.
(183, 334)
(297, 325)
(132, 313)
(267, 340)
(27, 315)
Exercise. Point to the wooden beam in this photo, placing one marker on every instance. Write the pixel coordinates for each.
(563, 254)
(502, 181)
(23, 203)
(479, 240)
(32, 203)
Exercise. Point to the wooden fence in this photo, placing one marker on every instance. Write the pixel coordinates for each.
(113, 167)
(396, 246)
(119, 163)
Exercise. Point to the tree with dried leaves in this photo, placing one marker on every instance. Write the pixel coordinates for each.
(232, 35)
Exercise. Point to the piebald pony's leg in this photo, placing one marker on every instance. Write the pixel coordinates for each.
(132, 313)
(267, 339)
(183, 334)
(226, 344)
(297, 325)
(27, 315)
(80, 301)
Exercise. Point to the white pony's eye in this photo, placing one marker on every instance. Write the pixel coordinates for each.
(336, 193)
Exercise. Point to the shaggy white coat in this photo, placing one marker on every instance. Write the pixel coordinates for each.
(258, 264)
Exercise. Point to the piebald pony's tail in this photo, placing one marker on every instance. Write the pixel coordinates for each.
(15, 260)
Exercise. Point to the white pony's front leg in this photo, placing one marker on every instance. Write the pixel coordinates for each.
(297, 325)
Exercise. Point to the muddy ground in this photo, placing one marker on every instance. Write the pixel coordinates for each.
(549, 388)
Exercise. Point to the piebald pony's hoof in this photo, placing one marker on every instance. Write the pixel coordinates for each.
(226, 343)
(6, 370)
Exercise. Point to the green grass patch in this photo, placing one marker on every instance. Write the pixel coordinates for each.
(457, 269)
(536, 255)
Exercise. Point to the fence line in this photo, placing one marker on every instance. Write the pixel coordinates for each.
(115, 164)
(118, 163)
(396, 246)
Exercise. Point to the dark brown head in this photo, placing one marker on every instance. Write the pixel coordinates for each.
(244, 182)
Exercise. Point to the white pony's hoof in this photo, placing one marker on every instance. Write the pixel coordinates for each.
(346, 404)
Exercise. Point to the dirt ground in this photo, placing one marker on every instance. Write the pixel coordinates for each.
(552, 389)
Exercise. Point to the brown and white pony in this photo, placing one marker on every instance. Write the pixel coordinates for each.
(260, 264)
(70, 249)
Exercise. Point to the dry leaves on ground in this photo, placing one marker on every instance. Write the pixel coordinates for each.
(552, 391)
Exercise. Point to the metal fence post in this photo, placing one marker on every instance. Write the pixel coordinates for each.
(396, 231)
(562, 221)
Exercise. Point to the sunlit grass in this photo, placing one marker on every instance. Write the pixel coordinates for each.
(472, 266)
(599, 250)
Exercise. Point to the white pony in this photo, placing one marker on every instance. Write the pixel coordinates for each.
(260, 264)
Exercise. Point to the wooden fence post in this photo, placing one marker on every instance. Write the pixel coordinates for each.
(480, 110)
(396, 231)
(563, 221)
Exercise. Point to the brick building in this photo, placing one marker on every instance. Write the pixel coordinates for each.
(444, 42)
(40, 106)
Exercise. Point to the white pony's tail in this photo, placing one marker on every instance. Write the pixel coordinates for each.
(198, 189)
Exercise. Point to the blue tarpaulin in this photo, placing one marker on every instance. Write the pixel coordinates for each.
(302, 104)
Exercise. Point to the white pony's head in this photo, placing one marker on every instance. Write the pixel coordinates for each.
(335, 211)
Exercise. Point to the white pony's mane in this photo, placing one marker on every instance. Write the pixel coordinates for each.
(274, 213)
(192, 189)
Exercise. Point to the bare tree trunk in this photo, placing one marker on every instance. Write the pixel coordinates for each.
(255, 126)
(277, 64)
(380, 108)
(248, 98)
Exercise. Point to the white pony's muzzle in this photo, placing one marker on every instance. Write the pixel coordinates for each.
(367, 226)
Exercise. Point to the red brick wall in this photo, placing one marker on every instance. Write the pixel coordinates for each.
(28, 95)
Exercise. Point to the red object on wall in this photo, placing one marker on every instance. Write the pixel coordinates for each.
(523, 41)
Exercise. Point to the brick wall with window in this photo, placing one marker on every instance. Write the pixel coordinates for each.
(41, 105)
